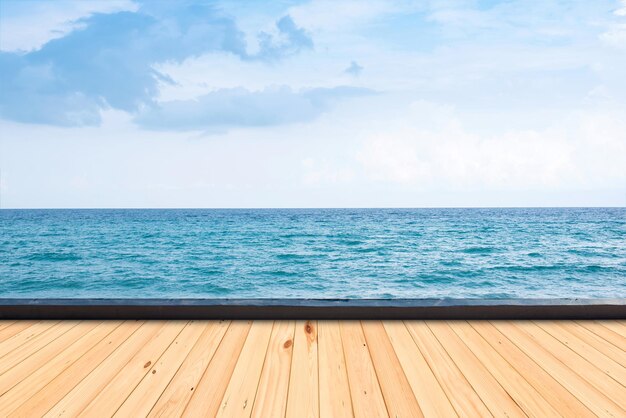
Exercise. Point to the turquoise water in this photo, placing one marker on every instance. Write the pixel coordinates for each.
(329, 253)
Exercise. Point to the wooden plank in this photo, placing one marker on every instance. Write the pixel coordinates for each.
(174, 399)
(37, 356)
(553, 392)
(614, 326)
(588, 352)
(615, 330)
(579, 387)
(367, 397)
(589, 372)
(461, 394)
(546, 368)
(13, 329)
(5, 323)
(147, 392)
(46, 363)
(110, 398)
(484, 384)
(334, 389)
(394, 385)
(427, 390)
(84, 392)
(58, 387)
(604, 333)
(34, 344)
(303, 396)
(271, 396)
(36, 333)
(207, 397)
(524, 394)
(241, 390)
(597, 342)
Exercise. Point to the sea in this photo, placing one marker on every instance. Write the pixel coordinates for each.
(313, 253)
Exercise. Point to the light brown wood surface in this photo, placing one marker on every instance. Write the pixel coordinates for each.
(312, 368)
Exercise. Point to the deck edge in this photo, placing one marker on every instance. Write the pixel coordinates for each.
(313, 308)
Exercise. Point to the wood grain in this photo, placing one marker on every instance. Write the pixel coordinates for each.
(310, 368)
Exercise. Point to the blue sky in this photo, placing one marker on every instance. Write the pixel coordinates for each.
(312, 104)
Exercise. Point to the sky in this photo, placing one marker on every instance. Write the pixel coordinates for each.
(395, 103)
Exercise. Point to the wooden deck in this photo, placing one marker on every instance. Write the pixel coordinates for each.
(315, 368)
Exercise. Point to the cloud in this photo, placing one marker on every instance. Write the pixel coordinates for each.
(27, 25)
(109, 60)
(330, 15)
(291, 40)
(354, 69)
(583, 150)
(394, 159)
(528, 23)
(615, 35)
(239, 107)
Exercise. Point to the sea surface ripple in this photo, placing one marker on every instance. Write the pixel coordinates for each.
(313, 253)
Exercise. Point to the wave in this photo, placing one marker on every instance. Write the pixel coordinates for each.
(314, 253)
(53, 256)
(478, 250)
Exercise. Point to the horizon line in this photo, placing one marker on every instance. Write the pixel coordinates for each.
(307, 208)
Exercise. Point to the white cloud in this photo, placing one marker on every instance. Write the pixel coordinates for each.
(583, 150)
(392, 158)
(531, 104)
(28, 25)
(329, 15)
(223, 108)
(210, 72)
(615, 35)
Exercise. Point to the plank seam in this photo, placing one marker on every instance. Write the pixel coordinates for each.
(293, 339)
(598, 335)
(577, 373)
(148, 371)
(16, 323)
(187, 356)
(267, 350)
(87, 375)
(369, 353)
(487, 369)
(547, 331)
(544, 369)
(45, 330)
(345, 359)
(173, 375)
(430, 368)
(516, 369)
(209, 364)
(40, 347)
(56, 374)
(605, 345)
(458, 368)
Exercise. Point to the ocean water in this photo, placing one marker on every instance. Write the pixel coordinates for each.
(329, 253)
